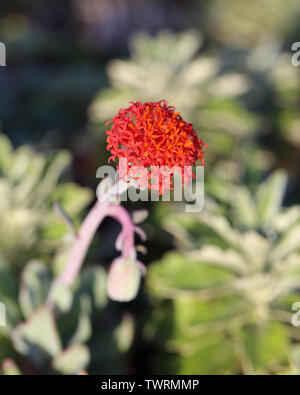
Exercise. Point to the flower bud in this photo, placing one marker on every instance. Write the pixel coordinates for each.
(124, 279)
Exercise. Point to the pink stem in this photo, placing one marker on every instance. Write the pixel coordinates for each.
(87, 231)
(128, 228)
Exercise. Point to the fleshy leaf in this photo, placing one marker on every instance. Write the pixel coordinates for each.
(270, 195)
(37, 338)
(35, 282)
(72, 360)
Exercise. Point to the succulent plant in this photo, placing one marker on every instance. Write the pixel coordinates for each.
(67, 332)
(271, 22)
(30, 183)
(223, 303)
(70, 335)
(161, 67)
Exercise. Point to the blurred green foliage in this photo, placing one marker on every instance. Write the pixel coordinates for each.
(222, 303)
(241, 24)
(45, 338)
(30, 183)
(65, 336)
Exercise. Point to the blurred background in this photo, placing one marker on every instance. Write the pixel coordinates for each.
(218, 294)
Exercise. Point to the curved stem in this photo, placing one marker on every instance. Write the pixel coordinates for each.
(82, 242)
(87, 231)
(128, 228)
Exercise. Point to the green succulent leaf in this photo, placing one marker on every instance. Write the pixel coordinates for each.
(84, 328)
(229, 259)
(244, 209)
(124, 333)
(37, 338)
(35, 283)
(72, 197)
(266, 346)
(176, 275)
(289, 243)
(61, 296)
(72, 360)
(270, 195)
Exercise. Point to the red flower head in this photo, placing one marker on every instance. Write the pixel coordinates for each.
(154, 135)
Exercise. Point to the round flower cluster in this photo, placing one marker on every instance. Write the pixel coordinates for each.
(151, 135)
